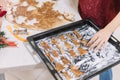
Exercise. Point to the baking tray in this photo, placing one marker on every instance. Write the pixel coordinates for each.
(85, 27)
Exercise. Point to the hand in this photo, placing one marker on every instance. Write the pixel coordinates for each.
(100, 39)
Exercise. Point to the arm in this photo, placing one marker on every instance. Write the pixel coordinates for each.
(112, 26)
(101, 37)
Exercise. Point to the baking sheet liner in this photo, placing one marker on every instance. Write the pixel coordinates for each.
(71, 58)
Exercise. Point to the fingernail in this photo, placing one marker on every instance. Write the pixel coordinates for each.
(95, 51)
(90, 49)
(88, 44)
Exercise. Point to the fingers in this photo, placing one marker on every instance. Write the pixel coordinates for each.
(99, 40)
(96, 43)
(105, 44)
(92, 40)
(99, 45)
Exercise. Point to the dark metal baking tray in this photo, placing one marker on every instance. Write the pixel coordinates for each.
(79, 24)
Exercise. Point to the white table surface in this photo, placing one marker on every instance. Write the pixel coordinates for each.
(19, 57)
(13, 57)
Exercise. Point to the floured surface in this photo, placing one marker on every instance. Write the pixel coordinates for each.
(38, 14)
(72, 59)
(62, 6)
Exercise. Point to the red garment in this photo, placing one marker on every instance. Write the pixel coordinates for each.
(99, 11)
(2, 12)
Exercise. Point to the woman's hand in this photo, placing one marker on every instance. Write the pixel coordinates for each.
(100, 39)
